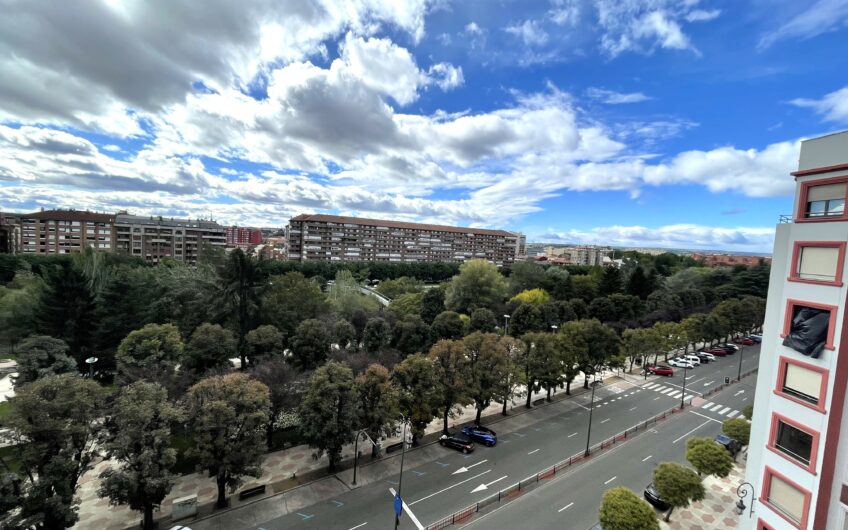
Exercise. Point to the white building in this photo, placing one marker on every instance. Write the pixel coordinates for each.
(798, 459)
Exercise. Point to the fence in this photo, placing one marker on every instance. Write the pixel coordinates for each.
(514, 490)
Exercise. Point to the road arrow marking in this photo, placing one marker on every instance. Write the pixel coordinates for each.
(449, 487)
(464, 469)
(305, 517)
(338, 504)
(740, 392)
(708, 384)
(482, 487)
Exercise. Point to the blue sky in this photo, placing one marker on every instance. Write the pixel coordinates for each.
(669, 123)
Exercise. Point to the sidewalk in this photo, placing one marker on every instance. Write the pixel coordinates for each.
(292, 470)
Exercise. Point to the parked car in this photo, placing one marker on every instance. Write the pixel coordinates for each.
(705, 357)
(457, 441)
(653, 496)
(681, 363)
(660, 369)
(756, 338)
(692, 359)
(745, 341)
(733, 446)
(481, 434)
(715, 350)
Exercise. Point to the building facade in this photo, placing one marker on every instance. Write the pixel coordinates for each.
(10, 235)
(240, 236)
(64, 231)
(577, 255)
(798, 455)
(156, 238)
(336, 238)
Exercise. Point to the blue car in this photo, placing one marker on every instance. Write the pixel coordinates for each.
(480, 434)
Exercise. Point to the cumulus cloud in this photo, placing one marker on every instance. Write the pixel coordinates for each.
(644, 25)
(809, 21)
(833, 106)
(612, 97)
(530, 32)
(700, 15)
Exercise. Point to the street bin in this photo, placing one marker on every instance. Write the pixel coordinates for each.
(726, 380)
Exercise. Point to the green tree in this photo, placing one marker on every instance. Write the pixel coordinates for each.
(67, 310)
(263, 342)
(242, 281)
(328, 411)
(738, 429)
(377, 403)
(557, 281)
(603, 309)
(602, 346)
(478, 284)
(54, 421)
(748, 412)
(483, 320)
(344, 334)
(139, 441)
(677, 485)
(708, 457)
(345, 297)
(509, 384)
(584, 287)
(377, 335)
(41, 356)
(227, 415)
(290, 299)
(406, 305)
(286, 386)
(310, 344)
(151, 352)
(524, 275)
(572, 348)
(210, 346)
(621, 509)
(580, 307)
(640, 283)
(525, 319)
(447, 326)
(611, 282)
(19, 306)
(411, 335)
(535, 297)
(488, 364)
(640, 343)
(419, 397)
(450, 362)
(432, 304)
(399, 286)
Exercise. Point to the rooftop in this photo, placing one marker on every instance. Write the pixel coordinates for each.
(321, 218)
(70, 215)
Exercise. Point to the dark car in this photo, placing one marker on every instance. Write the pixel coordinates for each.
(660, 369)
(705, 358)
(718, 352)
(480, 434)
(756, 338)
(732, 446)
(458, 441)
(744, 341)
(653, 496)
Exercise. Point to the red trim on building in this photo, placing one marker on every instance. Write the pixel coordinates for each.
(781, 379)
(762, 525)
(766, 487)
(831, 326)
(802, 201)
(814, 450)
(796, 254)
(819, 170)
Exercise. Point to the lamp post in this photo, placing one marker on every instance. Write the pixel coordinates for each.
(685, 366)
(356, 451)
(591, 408)
(398, 498)
(90, 362)
(745, 489)
(554, 328)
(506, 325)
(739, 374)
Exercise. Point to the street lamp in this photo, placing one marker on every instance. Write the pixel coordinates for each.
(554, 328)
(90, 362)
(398, 498)
(591, 408)
(506, 325)
(741, 350)
(745, 489)
(356, 450)
(685, 366)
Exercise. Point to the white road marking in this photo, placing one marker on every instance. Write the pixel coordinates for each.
(675, 394)
(406, 509)
(569, 505)
(701, 415)
(610, 480)
(715, 408)
(449, 487)
(652, 386)
(724, 410)
(631, 410)
(606, 420)
(357, 526)
(656, 398)
(732, 413)
(667, 391)
(647, 458)
(482, 487)
(707, 404)
(690, 432)
(533, 451)
(573, 434)
(708, 384)
(464, 469)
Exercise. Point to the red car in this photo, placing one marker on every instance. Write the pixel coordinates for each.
(744, 341)
(660, 369)
(718, 352)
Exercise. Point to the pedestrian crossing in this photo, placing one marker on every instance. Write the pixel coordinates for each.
(667, 390)
(720, 409)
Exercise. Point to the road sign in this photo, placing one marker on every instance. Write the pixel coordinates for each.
(398, 505)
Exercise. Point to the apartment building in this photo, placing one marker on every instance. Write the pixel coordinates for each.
(240, 236)
(64, 231)
(798, 456)
(578, 255)
(155, 237)
(337, 238)
(10, 234)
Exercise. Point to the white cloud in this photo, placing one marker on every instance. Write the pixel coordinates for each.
(473, 29)
(833, 106)
(530, 32)
(809, 21)
(382, 65)
(678, 236)
(565, 12)
(700, 15)
(616, 98)
(643, 25)
(445, 75)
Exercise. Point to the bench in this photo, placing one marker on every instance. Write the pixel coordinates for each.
(251, 492)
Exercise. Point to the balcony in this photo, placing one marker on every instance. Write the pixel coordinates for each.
(784, 219)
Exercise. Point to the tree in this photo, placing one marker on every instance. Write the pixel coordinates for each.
(621, 509)
(344, 334)
(241, 282)
(483, 320)
(677, 485)
(639, 283)
(418, 399)
(346, 298)
(450, 362)
(487, 366)
(447, 326)
(54, 421)
(584, 287)
(557, 281)
(328, 411)
(580, 307)
(603, 309)
(572, 348)
(611, 282)
(507, 386)
(285, 384)
(478, 284)
(290, 299)
(377, 335)
(394, 288)
(602, 345)
(406, 305)
(122, 306)
(432, 304)
(140, 442)
(639, 343)
(377, 403)
(210, 346)
(67, 310)
(708, 457)
(151, 352)
(41, 356)
(525, 275)
(227, 415)
(310, 344)
(748, 412)
(738, 429)
(525, 319)
(535, 297)
(411, 335)
(263, 342)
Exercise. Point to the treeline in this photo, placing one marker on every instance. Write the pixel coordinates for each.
(324, 360)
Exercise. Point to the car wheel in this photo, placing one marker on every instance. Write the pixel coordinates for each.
(442, 442)
(464, 451)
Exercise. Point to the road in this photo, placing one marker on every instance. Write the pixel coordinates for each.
(435, 486)
(558, 504)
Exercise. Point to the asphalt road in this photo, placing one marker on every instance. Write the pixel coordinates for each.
(558, 504)
(528, 443)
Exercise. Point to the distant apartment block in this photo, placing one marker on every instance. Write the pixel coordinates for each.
(10, 234)
(240, 236)
(728, 260)
(63, 231)
(274, 248)
(155, 238)
(577, 255)
(336, 238)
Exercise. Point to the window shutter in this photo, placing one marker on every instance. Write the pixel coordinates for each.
(826, 192)
(818, 263)
(787, 498)
(802, 380)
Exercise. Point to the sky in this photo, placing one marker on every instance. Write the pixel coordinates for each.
(656, 123)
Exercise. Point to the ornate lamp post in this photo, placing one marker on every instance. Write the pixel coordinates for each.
(745, 489)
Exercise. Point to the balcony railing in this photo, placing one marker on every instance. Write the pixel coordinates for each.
(784, 219)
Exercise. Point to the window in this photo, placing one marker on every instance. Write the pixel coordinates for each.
(786, 498)
(802, 382)
(818, 263)
(808, 327)
(793, 441)
(826, 200)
